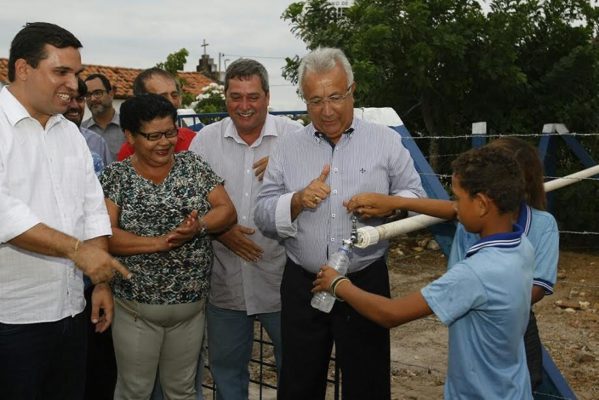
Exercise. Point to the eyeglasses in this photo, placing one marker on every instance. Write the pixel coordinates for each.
(96, 94)
(154, 136)
(335, 99)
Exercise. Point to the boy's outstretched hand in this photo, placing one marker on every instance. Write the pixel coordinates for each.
(368, 205)
(324, 278)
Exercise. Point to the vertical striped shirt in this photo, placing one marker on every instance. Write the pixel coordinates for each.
(369, 158)
(237, 284)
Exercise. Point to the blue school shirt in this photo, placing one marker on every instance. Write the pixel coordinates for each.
(542, 232)
(485, 301)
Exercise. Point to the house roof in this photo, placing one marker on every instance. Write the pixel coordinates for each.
(122, 78)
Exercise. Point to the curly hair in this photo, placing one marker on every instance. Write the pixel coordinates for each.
(493, 172)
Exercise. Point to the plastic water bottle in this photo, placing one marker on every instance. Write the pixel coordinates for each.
(339, 261)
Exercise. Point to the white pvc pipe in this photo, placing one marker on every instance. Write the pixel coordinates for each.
(572, 178)
(369, 235)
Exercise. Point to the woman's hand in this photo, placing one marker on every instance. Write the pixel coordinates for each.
(184, 232)
(323, 279)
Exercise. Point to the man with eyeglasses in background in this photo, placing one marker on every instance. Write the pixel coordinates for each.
(104, 120)
(158, 81)
(309, 178)
(96, 143)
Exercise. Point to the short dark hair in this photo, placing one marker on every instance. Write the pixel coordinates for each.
(139, 84)
(81, 87)
(145, 108)
(245, 68)
(493, 172)
(29, 44)
(101, 77)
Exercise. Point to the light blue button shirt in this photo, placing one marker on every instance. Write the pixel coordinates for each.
(485, 301)
(369, 159)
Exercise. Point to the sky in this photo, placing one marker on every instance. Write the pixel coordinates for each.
(139, 34)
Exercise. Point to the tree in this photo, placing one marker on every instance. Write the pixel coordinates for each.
(174, 63)
(443, 64)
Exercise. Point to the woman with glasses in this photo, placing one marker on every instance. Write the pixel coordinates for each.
(162, 207)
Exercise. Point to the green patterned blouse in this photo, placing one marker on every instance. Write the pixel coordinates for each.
(181, 275)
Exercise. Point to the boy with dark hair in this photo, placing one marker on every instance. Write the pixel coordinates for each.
(484, 299)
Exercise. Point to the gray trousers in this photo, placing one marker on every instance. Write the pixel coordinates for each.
(149, 337)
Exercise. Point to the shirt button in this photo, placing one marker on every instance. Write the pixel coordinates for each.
(335, 170)
(332, 239)
(248, 171)
(247, 194)
(332, 215)
(244, 217)
(335, 191)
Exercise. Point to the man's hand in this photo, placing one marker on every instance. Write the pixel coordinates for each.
(368, 205)
(102, 301)
(96, 263)
(259, 167)
(237, 240)
(313, 194)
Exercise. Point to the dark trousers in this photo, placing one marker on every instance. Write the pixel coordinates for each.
(101, 363)
(534, 356)
(43, 361)
(362, 347)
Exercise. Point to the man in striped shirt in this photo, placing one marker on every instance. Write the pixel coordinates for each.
(309, 177)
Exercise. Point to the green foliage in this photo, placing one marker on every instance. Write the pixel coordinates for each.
(174, 63)
(444, 64)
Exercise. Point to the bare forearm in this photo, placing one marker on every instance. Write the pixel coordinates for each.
(220, 218)
(385, 312)
(100, 242)
(44, 240)
(537, 294)
(434, 207)
(296, 205)
(123, 243)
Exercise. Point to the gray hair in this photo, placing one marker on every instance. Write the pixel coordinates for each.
(323, 59)
(246, 68)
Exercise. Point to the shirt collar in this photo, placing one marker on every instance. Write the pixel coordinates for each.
(525, 217)
(321, 136)
(269, 129)
(502, 240)
(91, 121)
(16, 112)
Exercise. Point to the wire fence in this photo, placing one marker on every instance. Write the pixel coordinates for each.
(264, 374)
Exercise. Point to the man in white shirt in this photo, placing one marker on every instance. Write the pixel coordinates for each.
(248, 266)
(54, 222)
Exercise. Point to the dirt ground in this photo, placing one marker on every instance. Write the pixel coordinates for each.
(568, 323)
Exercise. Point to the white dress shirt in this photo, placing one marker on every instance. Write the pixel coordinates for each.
(46, 176)
(237, 284)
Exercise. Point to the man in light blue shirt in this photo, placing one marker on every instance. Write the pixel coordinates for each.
(308, 178)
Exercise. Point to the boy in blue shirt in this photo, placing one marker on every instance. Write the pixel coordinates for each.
(485, 298)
